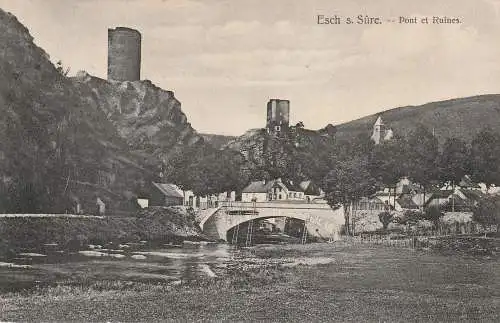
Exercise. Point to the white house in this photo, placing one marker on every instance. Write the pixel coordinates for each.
(278, 190)
(208, 201)
(257, 191)
(167, 194)
(311, 190)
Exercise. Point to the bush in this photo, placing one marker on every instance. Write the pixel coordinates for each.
(487, 212)
(410, 217)
(386, 218)
(433, 214)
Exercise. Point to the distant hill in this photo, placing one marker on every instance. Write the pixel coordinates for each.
(217, 141)
(462, 118)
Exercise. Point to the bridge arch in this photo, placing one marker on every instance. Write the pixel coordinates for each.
(312, 228)
(327, 221)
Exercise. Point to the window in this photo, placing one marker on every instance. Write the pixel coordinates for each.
(279, 197)
(294, 194)
(277, 128)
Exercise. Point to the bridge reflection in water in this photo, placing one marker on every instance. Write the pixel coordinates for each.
(321, 221)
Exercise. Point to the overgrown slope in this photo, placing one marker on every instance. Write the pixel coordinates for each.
(461, 118)
(55, 148)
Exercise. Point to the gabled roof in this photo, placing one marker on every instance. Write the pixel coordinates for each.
(170, 190)
(466, 181)
(474, 195)
(258, 187)
(291, 186)
(410, 188)
(407, 203)
(442, 194)
(305, 184)
(310, 188)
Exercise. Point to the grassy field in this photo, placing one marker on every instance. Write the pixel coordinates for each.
(316, 282)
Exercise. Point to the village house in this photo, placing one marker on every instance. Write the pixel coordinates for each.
(404, 195)
(280, 190)
(371, 204)
(466, 182)
(257, 191)
(165, 194)
(208, 201)
(457, 200)
(311, 190)
(168, 194)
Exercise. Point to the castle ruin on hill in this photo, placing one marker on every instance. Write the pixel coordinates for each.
(124, 54)
(278, 116)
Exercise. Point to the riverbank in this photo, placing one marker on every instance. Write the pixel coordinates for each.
(472, 245)
(315, 282)
(70, 233)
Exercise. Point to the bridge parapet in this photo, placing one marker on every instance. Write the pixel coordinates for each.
(274, 205)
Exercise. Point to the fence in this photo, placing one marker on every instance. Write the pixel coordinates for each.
(446, 228)
(412, 242)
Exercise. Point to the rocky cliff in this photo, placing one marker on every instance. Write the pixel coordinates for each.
(147, 117)
(299, 154)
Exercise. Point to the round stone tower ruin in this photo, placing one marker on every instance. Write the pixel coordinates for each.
(124, 54)
(278, 116)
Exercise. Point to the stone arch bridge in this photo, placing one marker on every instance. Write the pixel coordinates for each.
(320, 219)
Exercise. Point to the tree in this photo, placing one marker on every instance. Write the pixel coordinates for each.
(485, 157)
(433, 214)
(347, 182)
(422, 157)
(389, 160)
(385, 217)
(487, 212)
(60, 68)
(453, 161)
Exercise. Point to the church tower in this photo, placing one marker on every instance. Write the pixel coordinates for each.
(380, 131)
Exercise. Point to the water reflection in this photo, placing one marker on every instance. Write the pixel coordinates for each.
(132, 263)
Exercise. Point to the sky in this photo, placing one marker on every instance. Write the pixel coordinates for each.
(224, 59)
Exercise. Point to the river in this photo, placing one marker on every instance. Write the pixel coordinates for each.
(129, 262)
(313, 282)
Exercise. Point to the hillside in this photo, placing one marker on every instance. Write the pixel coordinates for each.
(147, 117)
(299, 155)
(463, 118)
(217, 141)
(69, 141)
(56, 150)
